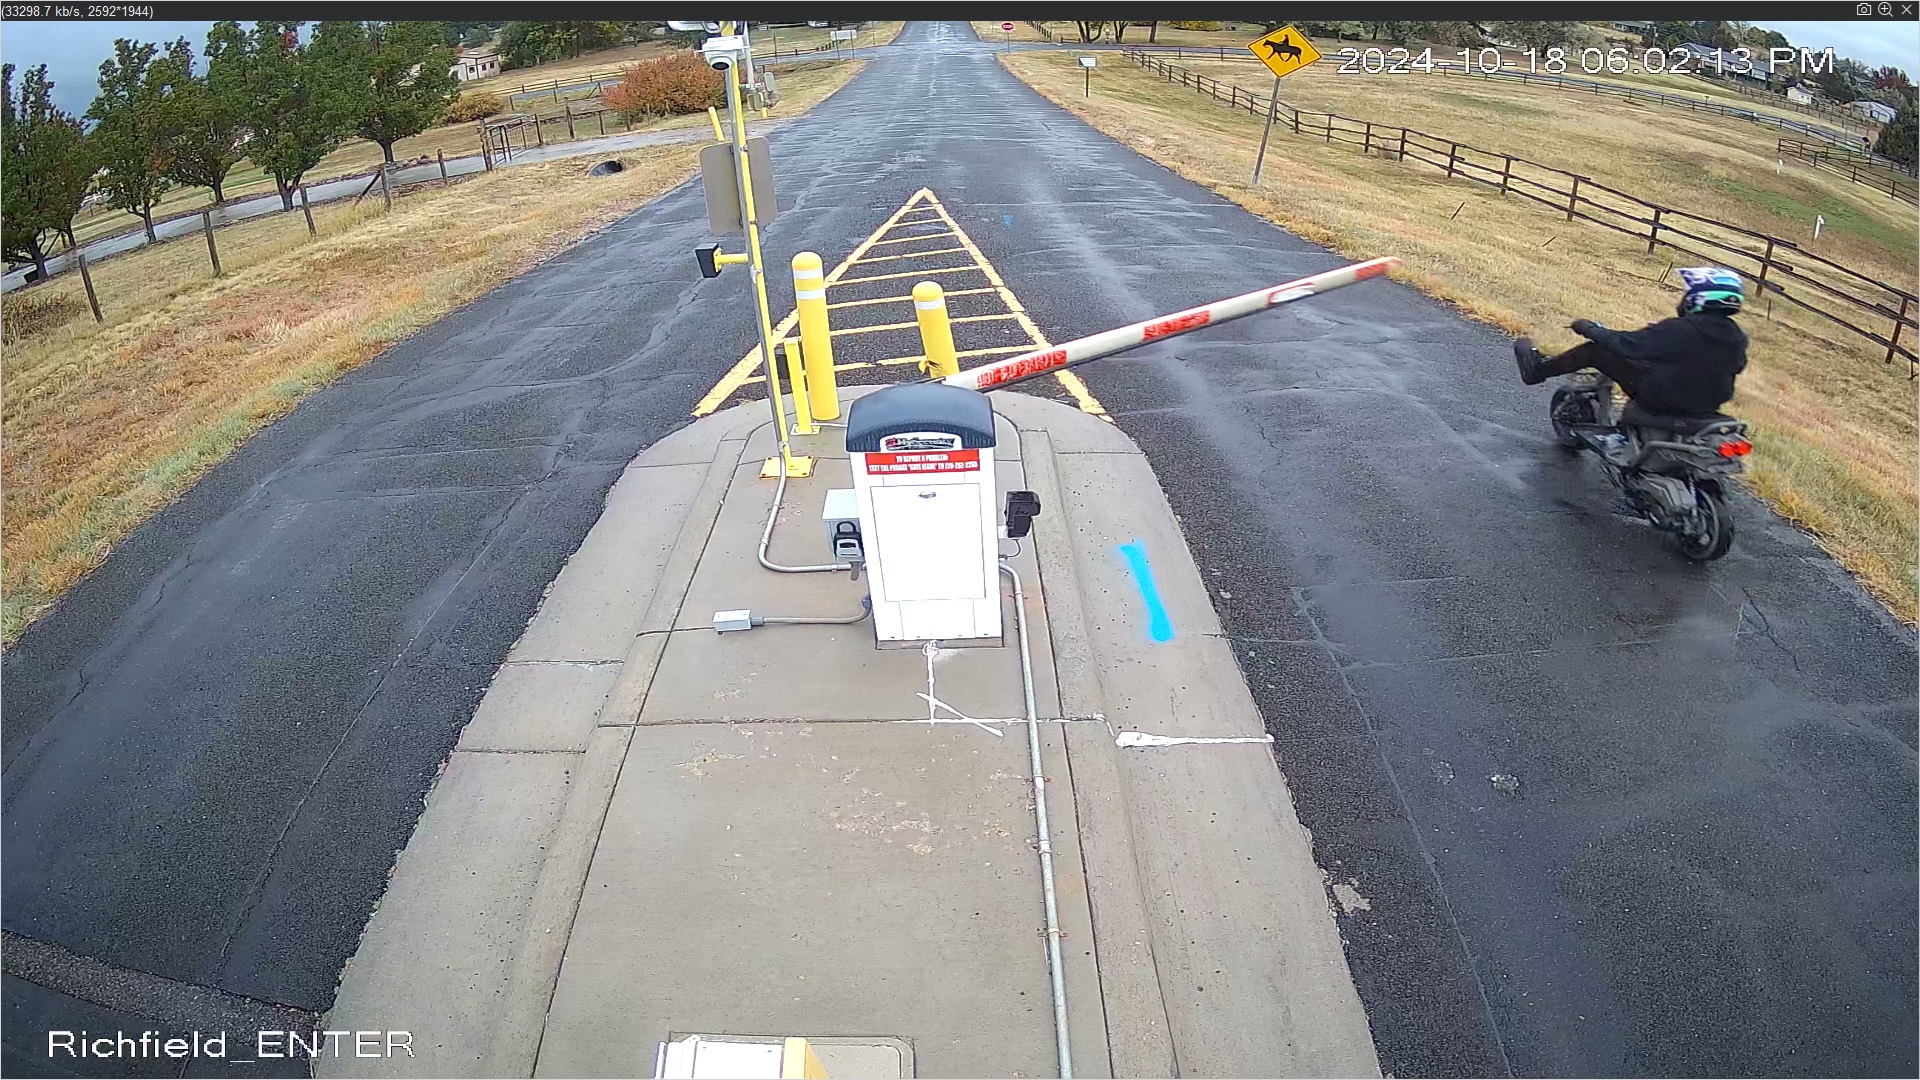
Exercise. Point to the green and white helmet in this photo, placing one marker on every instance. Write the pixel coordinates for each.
(1711, 288)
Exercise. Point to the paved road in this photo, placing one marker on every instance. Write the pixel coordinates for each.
(1705, 862)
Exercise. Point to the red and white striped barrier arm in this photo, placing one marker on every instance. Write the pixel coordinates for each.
(1108, 342)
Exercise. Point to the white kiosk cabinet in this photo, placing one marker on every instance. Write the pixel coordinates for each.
(922, 457)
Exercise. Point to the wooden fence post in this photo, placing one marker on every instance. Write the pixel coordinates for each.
(441, 157)
(312, 233)
(1329, 129)
(1506, 172)
(1453, 155)
(1573, 197)
(569, 108)
(539, 136)
(1766, 263)
(1367, 145)
(1899, 324)
(1296, 120)
(386, 193)
(206, 225)
(1653, 234)
(1402, 154)
(486, 148)
(93, 300)
(601, 115)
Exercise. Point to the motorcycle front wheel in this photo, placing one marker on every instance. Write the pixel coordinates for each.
(1710, 533)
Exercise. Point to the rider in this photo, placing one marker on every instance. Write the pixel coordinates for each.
(1682, 366)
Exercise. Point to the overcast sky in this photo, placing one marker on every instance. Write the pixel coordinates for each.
(72, 51)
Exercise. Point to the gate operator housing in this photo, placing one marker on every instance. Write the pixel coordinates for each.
(922, 459)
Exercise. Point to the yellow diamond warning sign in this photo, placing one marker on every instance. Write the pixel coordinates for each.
(1286, 51)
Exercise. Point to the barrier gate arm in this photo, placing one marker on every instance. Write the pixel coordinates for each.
(1032, 365)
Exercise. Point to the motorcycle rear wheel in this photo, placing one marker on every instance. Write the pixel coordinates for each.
(1713, 534)
(1568, 407)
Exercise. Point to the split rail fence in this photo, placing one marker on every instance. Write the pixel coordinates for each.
(1781, 268)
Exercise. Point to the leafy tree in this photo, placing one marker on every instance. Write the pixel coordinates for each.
(203, 122)
(1534, 34)
(130, 129)
(404, 76)
(301, 100)
(524, 44)
(468, 34)
(1669, 35)
(1897, 139)
(45, 167)
(1720, 35)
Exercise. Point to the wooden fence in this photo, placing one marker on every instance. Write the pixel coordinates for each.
(1566, 82)
(1859, 168)
(1779, 267)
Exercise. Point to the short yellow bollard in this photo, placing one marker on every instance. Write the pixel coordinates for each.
(797, 382)
(816, 337)
(936, 330)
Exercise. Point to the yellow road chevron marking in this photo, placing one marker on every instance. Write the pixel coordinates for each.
(922, 201)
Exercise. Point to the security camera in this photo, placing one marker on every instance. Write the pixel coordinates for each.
(722, 53)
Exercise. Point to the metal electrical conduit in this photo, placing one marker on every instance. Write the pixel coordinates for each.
(766, 537)
(1055, 973)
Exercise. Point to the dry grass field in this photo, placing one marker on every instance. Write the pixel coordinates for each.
(103, 425)
(1836, 427)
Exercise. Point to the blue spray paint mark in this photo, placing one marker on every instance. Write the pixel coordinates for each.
(1006, 221)
(1159, 626)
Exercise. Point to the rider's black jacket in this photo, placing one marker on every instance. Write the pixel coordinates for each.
(1688, 362)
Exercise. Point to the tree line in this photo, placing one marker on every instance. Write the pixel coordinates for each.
(163, 118)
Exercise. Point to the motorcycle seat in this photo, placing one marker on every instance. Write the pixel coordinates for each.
(1680, 425)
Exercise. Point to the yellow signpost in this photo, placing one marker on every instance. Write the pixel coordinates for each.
(1284, 51)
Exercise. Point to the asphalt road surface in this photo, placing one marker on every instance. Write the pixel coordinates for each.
(1698, 857)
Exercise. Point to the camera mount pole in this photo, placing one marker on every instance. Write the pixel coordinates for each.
(788, 465)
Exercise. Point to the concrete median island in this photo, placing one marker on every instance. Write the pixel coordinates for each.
(651, 829)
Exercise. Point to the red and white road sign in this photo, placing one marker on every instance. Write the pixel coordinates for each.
(1107, 342)
(1007, 26)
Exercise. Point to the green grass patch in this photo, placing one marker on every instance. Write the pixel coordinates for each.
(1812, 202)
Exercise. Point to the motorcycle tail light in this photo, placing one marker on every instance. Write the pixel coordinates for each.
(1734, 448)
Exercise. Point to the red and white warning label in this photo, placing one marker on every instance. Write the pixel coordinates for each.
(932, 461)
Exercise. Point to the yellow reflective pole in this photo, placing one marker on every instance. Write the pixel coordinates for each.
(797, 381)
(936, 330)
(713, 114)
(735, 112)
(816, 336)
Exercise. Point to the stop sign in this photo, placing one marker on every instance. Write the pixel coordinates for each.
(1006, 26)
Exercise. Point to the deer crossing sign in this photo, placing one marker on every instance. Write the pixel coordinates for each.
(1285, 51)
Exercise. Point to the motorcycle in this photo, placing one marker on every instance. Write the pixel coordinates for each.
(1672, 469)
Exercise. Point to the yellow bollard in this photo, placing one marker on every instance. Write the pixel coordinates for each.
(797, 382)
(713, 114)
(816, 340)
(936, 330)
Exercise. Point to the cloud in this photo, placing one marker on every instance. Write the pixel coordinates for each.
(1874, 44)
(72, 51)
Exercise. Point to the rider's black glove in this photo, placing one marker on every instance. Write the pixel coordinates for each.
(1585, 327)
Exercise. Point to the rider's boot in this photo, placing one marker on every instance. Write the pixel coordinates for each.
(1529, 359)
